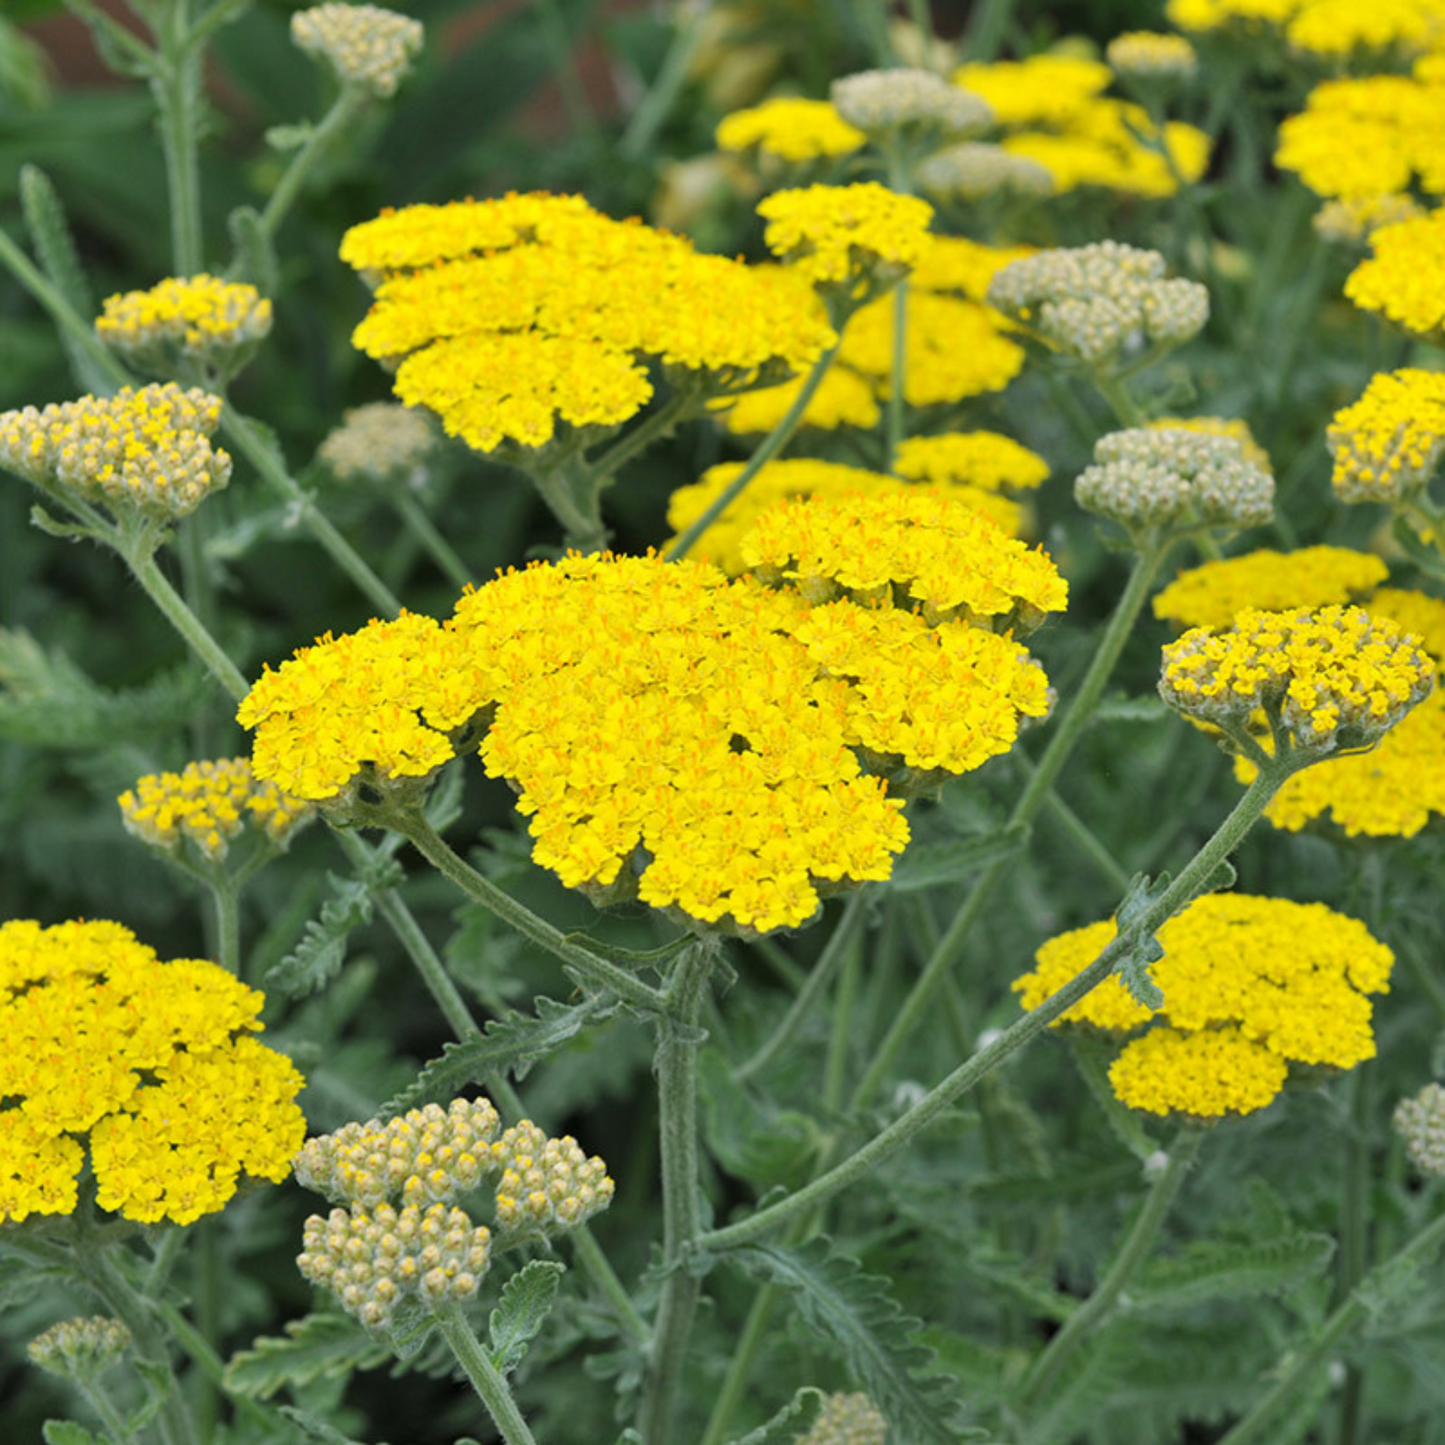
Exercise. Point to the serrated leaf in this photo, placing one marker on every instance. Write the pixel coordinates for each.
(510, 1045)
(317, 1346)
(1082, 1389)
(876, 1341)
(927, 865)
(1210, 1270)
(67, 1432)
(790, 1423)
(315, 1428)
(526, 1301)
(317, 959)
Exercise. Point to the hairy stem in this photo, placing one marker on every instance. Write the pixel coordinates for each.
(177, 90)
(179, 615)
(487, 1380)
(344, 109)
(432, 542)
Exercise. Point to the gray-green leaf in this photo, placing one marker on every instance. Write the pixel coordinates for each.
(526, 1301)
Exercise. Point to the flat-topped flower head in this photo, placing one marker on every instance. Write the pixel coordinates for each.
(146, 451)
(207, 806)
(1387, 445)
(1047, 89)
(845, 398)
(984, 459)
(366, 46)
(1335, 678)
(1104, 303)
(546, 1186)
(790, 129)
(917, 107)
(1220, 426)
(973, 169)
(851, 241)
(1211, 594)
(1420, 1122)
(378, 708)
(1151, 55)
(1404, 278)
(81, 1349)
(200, 319)
(956, 265)
(1147, 478)
(379, 442)
(912, 548)
(1252, 986)
(847, 1420)
(153, 1060)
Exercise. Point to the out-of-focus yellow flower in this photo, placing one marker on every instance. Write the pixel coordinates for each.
(791, 129)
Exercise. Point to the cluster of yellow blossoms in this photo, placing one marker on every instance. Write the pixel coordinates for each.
(86, 1011)
(198, 318)
(1404, 277)
(1334, 28)
(1251, 986)
(373, 1256)
(790, 129)
(147, 450)
(509, 318)
(1387, 445)
(208, 805)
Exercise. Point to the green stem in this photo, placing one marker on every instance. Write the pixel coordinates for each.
(564, 68)
(210, 1364)
(1084, 837)
(143, 565)
(675, 1064)
(657, 104)
(206, 1284)
(662, 422)
(740, 1367)
(987, 29)
(771, 445)
(1100, 1305)
(344, 109)
(568, 500)
(262, 455)
(896, 420)
(818, 979)
(1353, 1257)
(1121, 401)
(1061, 745)
(1265, 1419)
(177, 90)
(110, 1417)
(228, 924)
(418, 831)
(942, 1096)
(432, 542)
(487, 1380)
(591, 1257)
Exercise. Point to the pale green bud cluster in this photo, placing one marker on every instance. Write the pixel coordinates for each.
(1151, 55)
(428, 1155)
(372, 1260)
(1103, 303)
(365, 45)
(1154, 476)
(976, 168)
(881, 102)
(378, 442)
(1420, 1122)
(848, 1420)
(81, 1349)
(149, 449)
(546, 1184)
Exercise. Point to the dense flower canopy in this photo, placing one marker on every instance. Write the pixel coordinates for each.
(790, 129)
(1404, 278)
(1387, 445)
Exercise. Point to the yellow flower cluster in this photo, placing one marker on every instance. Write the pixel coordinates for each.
(386, 703)
(196, 317)
(151, 1059)
(1251, 986)
(805, 477)
(1042, 90)
(1352, 220)
(1387, 445)
(983, 459)
(1404, 278)
(380, 442)
(149, 449)
(1211, 594)
(511, 317)
(848, 1420)
(1150, 55)
(914, 547)
(367, 46)
(844, 398)
(208, 805)
(849, 239)
(790, 129)
(1334, 28)
(1337, 676)
(956, 264)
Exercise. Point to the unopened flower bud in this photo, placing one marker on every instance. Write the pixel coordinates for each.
(186, 319)
(1420, 1122)
(848, 1420)
(81, 1349)
(919, 104)
(975, 168)
(1150, 55)
(379, 442)
(365, 45)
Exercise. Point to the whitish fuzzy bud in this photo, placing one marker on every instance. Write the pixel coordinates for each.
(1150, 476)
(81, 1349)
(916, 102)
(149, 449)
(546, 1184)
(379, 442)
(365, 45)
(975, 168)
(1352, 220)
(1104, 303)
(1150, 55)
(1420, 1122)
(372, 1260)
(847, 1420)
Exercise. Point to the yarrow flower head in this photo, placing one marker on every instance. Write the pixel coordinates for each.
(1147, 478)
(790, 129)
(197, 319)
(973, 169)
(983, 459)
(1104, 303)
(146, 451)
(1150, 55)
(1387, 445)
(206, 807)
(1044, 88)
(916, 107)
(368, 47)
(153, 1060)
(80, 1349)
(847, 1420)
(1334, 678)
(1252, 987)
(1404, 279)
(1420, 1122)
(379, 442)
(1220, 426)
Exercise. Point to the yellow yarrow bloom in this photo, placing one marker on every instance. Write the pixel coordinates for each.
(1337, 677)
(1045, 89)
(208, 805)
(843, 398)
(790, 129)
(151, 1058)
(1341, 27)
(1211, 594)
(1404, 278)
(954, 263)
(983, 459)
(1251, 985)
(201, 318)
(1387, 445)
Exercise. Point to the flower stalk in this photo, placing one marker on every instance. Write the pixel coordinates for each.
(487, 1380)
